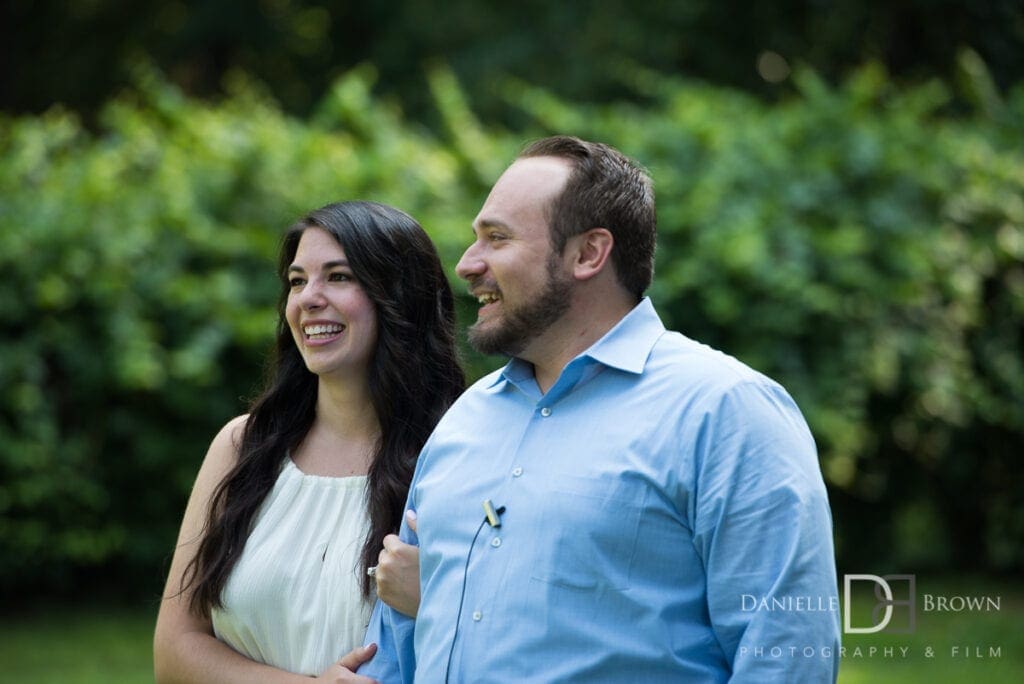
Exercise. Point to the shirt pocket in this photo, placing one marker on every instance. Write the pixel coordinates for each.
(588, 532)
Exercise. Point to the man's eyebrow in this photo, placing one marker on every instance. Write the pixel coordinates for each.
(483, 224)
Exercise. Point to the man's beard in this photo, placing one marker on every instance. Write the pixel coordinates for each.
(521, 325)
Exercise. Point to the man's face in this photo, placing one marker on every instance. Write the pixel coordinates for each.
(522, 285)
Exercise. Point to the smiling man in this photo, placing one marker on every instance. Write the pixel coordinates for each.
(513, 246)
(596, 510)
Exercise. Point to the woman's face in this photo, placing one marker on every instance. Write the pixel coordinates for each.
(333, 322)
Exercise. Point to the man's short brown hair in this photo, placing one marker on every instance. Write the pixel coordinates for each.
(605, 189)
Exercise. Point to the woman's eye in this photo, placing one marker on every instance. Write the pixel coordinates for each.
(295, 282)
(340, 277)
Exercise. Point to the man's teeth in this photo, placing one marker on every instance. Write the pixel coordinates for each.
(488, 298)
(322, 329)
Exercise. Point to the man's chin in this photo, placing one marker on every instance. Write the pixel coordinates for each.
(480, 338)
(488, 338)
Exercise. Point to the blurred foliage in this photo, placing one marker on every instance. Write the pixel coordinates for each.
(81, 53)
(140, 295)
(855, 243)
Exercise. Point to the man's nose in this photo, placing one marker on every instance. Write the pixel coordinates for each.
(471, 264)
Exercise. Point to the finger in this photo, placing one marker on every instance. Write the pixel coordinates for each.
(393, 543)
(357, 656)
(410, 517)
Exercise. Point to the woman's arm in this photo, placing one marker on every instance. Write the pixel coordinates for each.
(184, 647)
(398, 572)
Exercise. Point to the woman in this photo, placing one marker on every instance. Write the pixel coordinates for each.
(293, 501)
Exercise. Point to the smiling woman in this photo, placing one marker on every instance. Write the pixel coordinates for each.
(331, 317)
(294, 499)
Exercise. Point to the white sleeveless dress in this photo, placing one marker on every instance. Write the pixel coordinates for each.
(293, 600)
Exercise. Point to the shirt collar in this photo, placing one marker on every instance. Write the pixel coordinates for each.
(625, 347)
(629, 343)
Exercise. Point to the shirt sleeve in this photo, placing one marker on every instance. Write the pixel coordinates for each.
(393, 632)
(764, 530)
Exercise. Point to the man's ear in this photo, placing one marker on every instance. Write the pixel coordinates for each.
(591, 251)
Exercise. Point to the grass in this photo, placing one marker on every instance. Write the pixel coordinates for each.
(78, 645)
(942, 632)
(90, 645)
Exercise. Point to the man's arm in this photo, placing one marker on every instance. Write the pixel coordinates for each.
(392, 632)
(764, 530)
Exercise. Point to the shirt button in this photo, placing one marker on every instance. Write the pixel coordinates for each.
(496, 542)
(477, 616)
(546, 411)
(517, 471)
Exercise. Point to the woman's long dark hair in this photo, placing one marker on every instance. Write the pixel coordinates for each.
(414, 376)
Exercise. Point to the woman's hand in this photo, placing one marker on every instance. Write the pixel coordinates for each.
(344, 670)
(398, 572)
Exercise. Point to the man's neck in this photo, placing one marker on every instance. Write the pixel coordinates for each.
(566, 339)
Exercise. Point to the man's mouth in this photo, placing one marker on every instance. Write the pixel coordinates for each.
(486, 298)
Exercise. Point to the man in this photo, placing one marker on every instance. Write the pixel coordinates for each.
(618, 503)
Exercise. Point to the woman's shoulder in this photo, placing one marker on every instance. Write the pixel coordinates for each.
(225, 446)
(235, 427)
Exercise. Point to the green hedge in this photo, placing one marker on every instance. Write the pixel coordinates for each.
(862, 245)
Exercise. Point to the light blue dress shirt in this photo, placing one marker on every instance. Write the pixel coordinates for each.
(662, 503)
